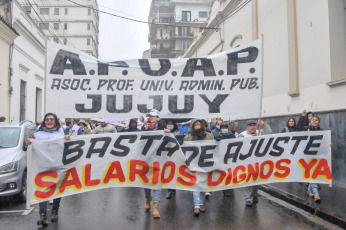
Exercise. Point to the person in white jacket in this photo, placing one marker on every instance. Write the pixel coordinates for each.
(50, 128)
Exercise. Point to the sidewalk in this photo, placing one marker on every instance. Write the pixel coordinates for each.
(332, 206)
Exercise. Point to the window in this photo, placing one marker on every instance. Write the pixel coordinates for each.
(183, 31)
(39, 105)
(44, 11)
(161, 33)
(56, 40)
(89, 11)
(202, 14)
(88, 41)
(186, 16)
(65, 41)
(56, 11)
(186, 45)
(66, 11)
(44, 26)
(65, 26)
(164, 20)
(89, 26)
(22, 100)
(27, 9)
(56, 26)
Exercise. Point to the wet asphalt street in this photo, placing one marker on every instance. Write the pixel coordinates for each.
(123, 208)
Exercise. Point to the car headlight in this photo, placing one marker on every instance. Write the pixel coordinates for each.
(11, 167)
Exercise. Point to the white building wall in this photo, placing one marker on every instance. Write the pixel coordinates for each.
(77, 19)
(7, 35)
(194, 8)
(28, 60)
(320, 45)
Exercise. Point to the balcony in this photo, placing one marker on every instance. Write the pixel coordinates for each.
(182, 36)
(160, 3)
(160, 53)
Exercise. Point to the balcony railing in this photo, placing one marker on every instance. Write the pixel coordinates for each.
(163, 51)
(161, 2)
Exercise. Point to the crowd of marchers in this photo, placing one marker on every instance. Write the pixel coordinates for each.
(193, 130)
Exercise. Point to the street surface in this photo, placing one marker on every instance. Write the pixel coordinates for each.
(123, 208)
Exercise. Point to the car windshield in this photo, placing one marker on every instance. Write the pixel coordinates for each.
(9, 137)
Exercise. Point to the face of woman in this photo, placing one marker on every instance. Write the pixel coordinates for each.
(81, 125)
(49, 122)
(315, 122)
(197, 125)
(291, 123)
(310, 117)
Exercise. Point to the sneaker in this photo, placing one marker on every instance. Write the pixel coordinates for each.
(317, 198)
(255, 199)
(202, 208)
(169, 195)
(54, 216)
(43, 220)
(310, 193)
(207, 195)
(226, 193)
(248, 203)
(196, 212)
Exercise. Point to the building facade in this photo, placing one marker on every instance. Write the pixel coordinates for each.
(27, 68)
(7, 36)
(173, 25)
(304, 59)
(73, 24)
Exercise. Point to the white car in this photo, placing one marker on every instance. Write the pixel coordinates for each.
(13, 165)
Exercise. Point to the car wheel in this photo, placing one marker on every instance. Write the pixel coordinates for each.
(21, 197)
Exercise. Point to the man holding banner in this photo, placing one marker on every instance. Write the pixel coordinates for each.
(155, 123)
(251, 131)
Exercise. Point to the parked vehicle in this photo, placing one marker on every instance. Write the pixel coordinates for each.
(13, 163)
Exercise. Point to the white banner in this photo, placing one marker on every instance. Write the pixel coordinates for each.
(58, 168)
(227, 84)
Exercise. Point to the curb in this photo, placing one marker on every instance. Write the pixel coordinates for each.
(321, 212)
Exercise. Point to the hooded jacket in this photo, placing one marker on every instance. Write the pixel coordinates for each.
(132, 129)
(195, 136)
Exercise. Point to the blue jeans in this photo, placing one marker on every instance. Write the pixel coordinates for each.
(198, 199)
(314, 188)
(156, 195)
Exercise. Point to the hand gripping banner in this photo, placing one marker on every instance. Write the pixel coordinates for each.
(58, 168)
(227, 84)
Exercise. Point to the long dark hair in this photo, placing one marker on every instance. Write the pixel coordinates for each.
(288, 123)
(197, 133)
(57, 123)
(174, 125)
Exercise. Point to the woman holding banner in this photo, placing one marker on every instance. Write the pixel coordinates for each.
(50, 128)
(198, 133)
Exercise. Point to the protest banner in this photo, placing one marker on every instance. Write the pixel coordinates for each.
(223, 84)
(58, 167)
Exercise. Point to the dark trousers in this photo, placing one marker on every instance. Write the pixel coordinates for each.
(43, 206)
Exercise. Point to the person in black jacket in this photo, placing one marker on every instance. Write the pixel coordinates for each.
(290, 126)
(314, 125)
(132, 126)
(304, 120)
(225, 133)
